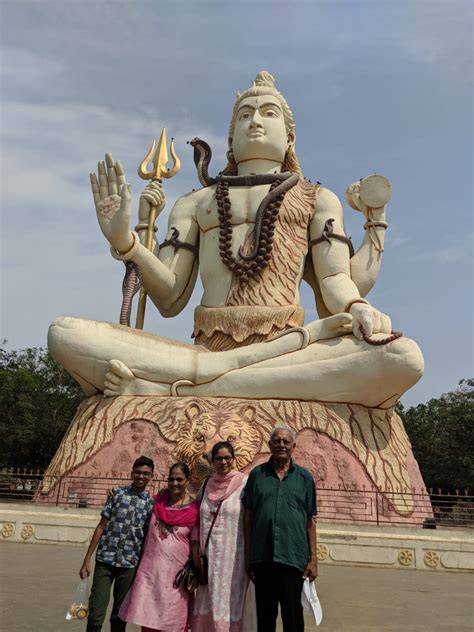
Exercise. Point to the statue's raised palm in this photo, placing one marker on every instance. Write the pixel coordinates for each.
(112, 202)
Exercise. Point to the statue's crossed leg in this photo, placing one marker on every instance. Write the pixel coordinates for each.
(316, 362)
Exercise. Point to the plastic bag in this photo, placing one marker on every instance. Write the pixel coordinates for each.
(79, 607)
(310, 600)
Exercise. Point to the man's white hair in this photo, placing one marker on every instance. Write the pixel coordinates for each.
(284, 427)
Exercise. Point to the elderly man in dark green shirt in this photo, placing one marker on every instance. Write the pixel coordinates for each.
(280, 533)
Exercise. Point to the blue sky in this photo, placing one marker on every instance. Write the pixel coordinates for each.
(379, 86)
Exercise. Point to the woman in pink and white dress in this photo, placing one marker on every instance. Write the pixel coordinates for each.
(219, 605)
(153, 601)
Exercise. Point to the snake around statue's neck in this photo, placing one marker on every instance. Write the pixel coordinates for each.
(248, 264)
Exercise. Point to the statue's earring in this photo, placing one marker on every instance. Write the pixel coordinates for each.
(230, 156)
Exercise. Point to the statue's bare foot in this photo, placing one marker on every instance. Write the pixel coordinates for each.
(330, 327)
(120, 380)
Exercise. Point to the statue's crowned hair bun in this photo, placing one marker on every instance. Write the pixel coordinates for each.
(264, 78)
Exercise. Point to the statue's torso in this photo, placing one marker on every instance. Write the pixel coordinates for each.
(216, 278)
(221, 287)
(270, 300)
(244, 201)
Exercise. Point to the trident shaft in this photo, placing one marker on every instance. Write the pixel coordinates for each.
(159, 159)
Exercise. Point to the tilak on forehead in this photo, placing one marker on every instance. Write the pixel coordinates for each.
(254, 103)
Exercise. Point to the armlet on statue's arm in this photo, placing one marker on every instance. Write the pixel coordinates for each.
(328, 234)
(177, 243)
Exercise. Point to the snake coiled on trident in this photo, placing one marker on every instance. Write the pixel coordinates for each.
(130, 285)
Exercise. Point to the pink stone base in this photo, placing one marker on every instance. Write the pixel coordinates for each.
(360, 458)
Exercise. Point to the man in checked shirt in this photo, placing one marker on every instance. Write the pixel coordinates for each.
(119, 536)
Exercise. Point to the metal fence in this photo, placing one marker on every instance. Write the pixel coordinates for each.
(69, 491)
(389, 507)
(404, 507)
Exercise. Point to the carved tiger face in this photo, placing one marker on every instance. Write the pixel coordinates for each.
(192, 445)
(195, 442)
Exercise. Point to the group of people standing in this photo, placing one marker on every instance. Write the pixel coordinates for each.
(241, 533)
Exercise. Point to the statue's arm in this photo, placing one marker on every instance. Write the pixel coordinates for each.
(367, 260)
(169, 274)
(331, 260)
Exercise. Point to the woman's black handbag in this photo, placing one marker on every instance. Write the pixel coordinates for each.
(186, 578)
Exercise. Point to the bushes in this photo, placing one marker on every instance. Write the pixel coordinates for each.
(38, 400)
(442, 436)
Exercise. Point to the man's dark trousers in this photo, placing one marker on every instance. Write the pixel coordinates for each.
(104, 576)
(278, 584)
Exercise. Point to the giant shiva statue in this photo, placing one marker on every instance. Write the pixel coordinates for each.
(253, 233)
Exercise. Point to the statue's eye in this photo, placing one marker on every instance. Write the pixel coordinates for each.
(199, 437)
(231, 438)
(271, 112)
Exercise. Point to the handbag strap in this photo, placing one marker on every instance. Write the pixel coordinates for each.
(212, 523)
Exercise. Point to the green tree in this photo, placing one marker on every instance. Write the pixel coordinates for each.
(38, 400)
(442, 435)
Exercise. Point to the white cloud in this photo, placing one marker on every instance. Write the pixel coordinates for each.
(51, 150)
(20, 65)
(398, 238)
(449, 251)
(441, 36)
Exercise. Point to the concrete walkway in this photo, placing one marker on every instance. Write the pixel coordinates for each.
(37, 582)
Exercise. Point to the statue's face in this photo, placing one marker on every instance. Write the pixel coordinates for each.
(259, 130)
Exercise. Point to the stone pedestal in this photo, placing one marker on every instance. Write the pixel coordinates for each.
(346, 447)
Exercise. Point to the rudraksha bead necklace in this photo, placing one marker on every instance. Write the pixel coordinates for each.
(249, 265)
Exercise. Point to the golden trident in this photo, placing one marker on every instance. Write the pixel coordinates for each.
(159, 160)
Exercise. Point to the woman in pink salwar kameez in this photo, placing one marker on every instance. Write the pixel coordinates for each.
(219, 605)
(153, 602)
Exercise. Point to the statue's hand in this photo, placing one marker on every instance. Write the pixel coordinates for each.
(353, 198)
(373, 321)
(153, 195)
(369, 195)
(113, 203)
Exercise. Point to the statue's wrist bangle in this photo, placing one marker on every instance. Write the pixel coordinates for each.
(130, 253)
(373, 224)
(348, 306)
(144, 226)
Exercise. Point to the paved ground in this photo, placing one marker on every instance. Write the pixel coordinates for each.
(37, 582)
